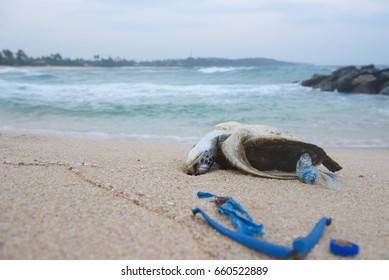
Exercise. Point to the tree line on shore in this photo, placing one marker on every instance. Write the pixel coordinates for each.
(20, 58)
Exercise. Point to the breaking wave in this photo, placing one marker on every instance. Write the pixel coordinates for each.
(182, 104)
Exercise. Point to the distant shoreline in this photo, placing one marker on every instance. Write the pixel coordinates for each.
(48, 67)
(20, 58)
(55, 67)
(87, 67)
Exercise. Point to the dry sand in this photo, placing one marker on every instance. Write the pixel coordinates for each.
(73, 198)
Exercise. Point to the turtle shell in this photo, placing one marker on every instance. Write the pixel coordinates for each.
(280, 153)
(255, 148)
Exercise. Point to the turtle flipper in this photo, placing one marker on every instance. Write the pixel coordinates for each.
(234, 152)
(331, 164)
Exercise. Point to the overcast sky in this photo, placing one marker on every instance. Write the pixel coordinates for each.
(323, 32)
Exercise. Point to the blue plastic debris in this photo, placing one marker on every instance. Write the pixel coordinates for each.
(226, 205)
(302, 246)
(309, 174)
(343, 248)
(246, 230)
(257, 244)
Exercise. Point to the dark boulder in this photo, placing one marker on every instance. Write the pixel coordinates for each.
(368, 69)
(385, 90)
(344, 70)
(383, 77)
(327, 85)
(364, 88)
(363, 79)
(366, 79)
(315, 80)
(343, 84)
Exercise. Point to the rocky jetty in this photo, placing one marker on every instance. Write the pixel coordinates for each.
(351, 79)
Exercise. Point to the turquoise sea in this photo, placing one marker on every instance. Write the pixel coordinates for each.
(182, 104)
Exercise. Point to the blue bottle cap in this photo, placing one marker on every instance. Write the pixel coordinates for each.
(343, 248)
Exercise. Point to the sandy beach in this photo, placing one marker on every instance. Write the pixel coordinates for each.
(80, 198)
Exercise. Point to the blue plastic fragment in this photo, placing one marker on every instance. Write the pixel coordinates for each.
(242, 224)
(257, 244)
(343, 248)
(310, 176)
(228, 204)
(205, 195)
(302, 246)
(230, 207)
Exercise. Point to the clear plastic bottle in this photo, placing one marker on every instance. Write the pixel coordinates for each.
(310, 175)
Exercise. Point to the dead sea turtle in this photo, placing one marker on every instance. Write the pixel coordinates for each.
(259, 150)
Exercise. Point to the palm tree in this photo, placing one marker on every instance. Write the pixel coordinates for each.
(9, 58)
(21, 57)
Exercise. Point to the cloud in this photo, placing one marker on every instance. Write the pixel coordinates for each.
(296, 30)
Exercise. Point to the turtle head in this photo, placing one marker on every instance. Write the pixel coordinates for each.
(200, 162)
(202, 156)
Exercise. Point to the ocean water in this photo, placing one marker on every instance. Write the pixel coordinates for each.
(182, 104)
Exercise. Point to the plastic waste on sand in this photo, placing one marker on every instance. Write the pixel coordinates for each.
(247, 229)
(343, 248)
(309, 174)
(241, 220)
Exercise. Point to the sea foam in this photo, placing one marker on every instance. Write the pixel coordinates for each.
(182, 104)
